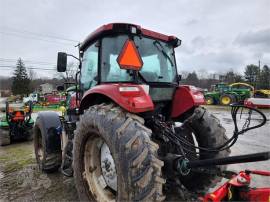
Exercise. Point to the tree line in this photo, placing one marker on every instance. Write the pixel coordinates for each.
(253, 75)
(23, 82)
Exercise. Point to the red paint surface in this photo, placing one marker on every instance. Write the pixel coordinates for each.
(73, 104)
(260, 172)
(134, 102)
(185, 98)
(249, 103)
(247, 194)
(109, 27)
(18, 116)
(54, 99)
(258, 195)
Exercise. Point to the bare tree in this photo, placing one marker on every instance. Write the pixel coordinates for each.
(32, 74)
(184, 74)
(202, 74)
(70, 73)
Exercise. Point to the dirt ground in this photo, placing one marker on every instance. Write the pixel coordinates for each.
(21, 180)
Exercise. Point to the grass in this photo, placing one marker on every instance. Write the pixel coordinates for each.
(46, 108)
(16, 156)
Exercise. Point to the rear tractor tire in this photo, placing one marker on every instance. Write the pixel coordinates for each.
(114, 157)
(4, 137)
(203, 130)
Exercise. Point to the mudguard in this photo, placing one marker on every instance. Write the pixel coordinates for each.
(185, 98)
(50, 125)
(133, 98)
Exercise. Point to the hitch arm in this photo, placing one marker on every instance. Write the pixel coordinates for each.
(263, 156)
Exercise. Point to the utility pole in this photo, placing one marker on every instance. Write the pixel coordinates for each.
(256, 77)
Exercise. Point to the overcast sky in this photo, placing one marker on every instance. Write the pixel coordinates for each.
(216, 35)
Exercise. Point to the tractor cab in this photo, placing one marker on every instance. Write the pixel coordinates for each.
(222, 87)
(126, 53)
(119, 61)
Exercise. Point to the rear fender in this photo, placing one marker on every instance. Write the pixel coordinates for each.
(185, 98)
(131, 97)
(50, 124)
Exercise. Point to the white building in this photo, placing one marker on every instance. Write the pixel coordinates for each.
(45, 88)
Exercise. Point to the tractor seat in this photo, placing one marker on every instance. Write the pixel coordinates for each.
(150, 76)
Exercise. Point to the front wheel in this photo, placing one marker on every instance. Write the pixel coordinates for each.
(47, 160)
(227, 99)
(209, 100)
(114, 158)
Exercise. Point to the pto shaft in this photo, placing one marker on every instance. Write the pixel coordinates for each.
(263, 156)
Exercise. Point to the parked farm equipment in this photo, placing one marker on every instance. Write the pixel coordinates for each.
(238, 187)
(262, 93)
(16, 124)
(135, 133)
(225, 94)
(260, 97)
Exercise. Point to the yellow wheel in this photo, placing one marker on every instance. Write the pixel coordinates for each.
(226, 99)
(209, 100)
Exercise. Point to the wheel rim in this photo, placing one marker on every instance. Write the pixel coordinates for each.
(99, 170)
(108, 167)
(226, 100)
(209, 101)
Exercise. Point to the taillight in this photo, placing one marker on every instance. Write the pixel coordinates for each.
(130, 91)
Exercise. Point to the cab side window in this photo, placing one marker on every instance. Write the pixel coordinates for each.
(89, 69)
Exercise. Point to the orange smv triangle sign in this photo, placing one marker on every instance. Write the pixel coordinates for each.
(129, 58)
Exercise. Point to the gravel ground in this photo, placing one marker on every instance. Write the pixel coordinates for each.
(21, 180)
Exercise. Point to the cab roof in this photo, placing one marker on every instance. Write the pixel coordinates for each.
(123, 28)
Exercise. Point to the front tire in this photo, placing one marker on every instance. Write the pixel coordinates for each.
(137, 168)
(227, 99)
(209, 100)
(4, 137)
(47, 161)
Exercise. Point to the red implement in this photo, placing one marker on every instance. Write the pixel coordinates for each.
(238, 189)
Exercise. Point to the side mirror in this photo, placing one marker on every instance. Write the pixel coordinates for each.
(61, 62)
(60, 88)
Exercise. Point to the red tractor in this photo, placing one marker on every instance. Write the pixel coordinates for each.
(131, 122)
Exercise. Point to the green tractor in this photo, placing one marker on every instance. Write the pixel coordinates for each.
(17, 124)
(225, 94)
